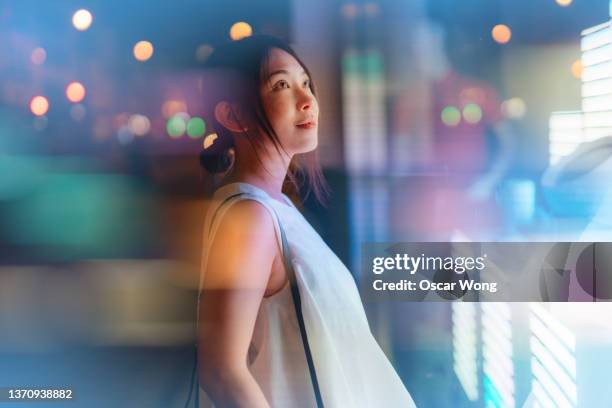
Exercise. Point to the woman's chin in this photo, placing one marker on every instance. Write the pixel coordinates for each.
(311, 145)
(307, 142)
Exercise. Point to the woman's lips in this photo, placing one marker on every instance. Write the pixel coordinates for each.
(307, 125)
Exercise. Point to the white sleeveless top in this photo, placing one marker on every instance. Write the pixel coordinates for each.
(351, 368)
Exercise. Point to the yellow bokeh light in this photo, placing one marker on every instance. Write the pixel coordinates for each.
(514, 108)
(564, 3)
(81, 19)
(472, 113)
(209, 140)
(577, 69)
(75, 92)
(501, 33)
(240, 30)
(38, 56)
(451, 116)
(39, 105)
(143, 50)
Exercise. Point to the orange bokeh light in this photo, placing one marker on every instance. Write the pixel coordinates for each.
(143, 50)
(75, 92)
(240, 30)
(501, 33)
(39, 105)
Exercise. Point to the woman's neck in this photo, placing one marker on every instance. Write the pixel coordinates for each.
(269, 178)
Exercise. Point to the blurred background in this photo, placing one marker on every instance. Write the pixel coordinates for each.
(441, 120)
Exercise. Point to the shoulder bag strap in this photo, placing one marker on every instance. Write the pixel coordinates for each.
(297, 302)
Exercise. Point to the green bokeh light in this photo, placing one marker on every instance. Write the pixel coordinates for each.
(451, 116)
(176, 126)
(196, 127)
(472, 113)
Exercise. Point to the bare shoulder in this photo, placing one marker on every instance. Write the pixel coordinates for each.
(247, 214)
(244, 246)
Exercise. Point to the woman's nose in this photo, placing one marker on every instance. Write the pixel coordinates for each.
(304, 106)
(305, 102)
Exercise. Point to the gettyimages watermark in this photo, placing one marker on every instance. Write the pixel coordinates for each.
(481, 271)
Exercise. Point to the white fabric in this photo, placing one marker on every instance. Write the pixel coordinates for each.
(351, 368)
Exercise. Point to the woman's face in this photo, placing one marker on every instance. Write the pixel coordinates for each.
(289, 104)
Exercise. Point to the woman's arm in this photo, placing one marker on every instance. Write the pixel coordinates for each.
(237, 273)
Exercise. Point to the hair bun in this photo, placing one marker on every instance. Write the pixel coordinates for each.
(217, 157)
(216, 162)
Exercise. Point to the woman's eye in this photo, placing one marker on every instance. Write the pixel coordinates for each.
(281, 85)
(307, 83)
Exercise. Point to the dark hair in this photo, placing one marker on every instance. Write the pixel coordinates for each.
(235, 73)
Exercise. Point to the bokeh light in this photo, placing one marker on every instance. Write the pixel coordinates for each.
(240, 30)
(176, 126)
(514, 108)
(75, 92)
(121, 119)
(577, 69)
(203, 52)
(349, 11)
(82, 19)
(472, 113)
(209, 140)
(196, 127)
(173, 106)
(102, 129)
(371, 9)
(501, 33)
(40, 122)
(125, 135)
(38, 56)
(564, 3)
(184, 115)
(143, 50)
(139, 125)
(39, 105)
(77, 112)
(451, 116)
(472, 95)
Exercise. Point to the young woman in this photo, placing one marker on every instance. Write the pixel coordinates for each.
(250, 348)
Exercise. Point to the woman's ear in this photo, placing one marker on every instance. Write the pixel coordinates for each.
(226, 115)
